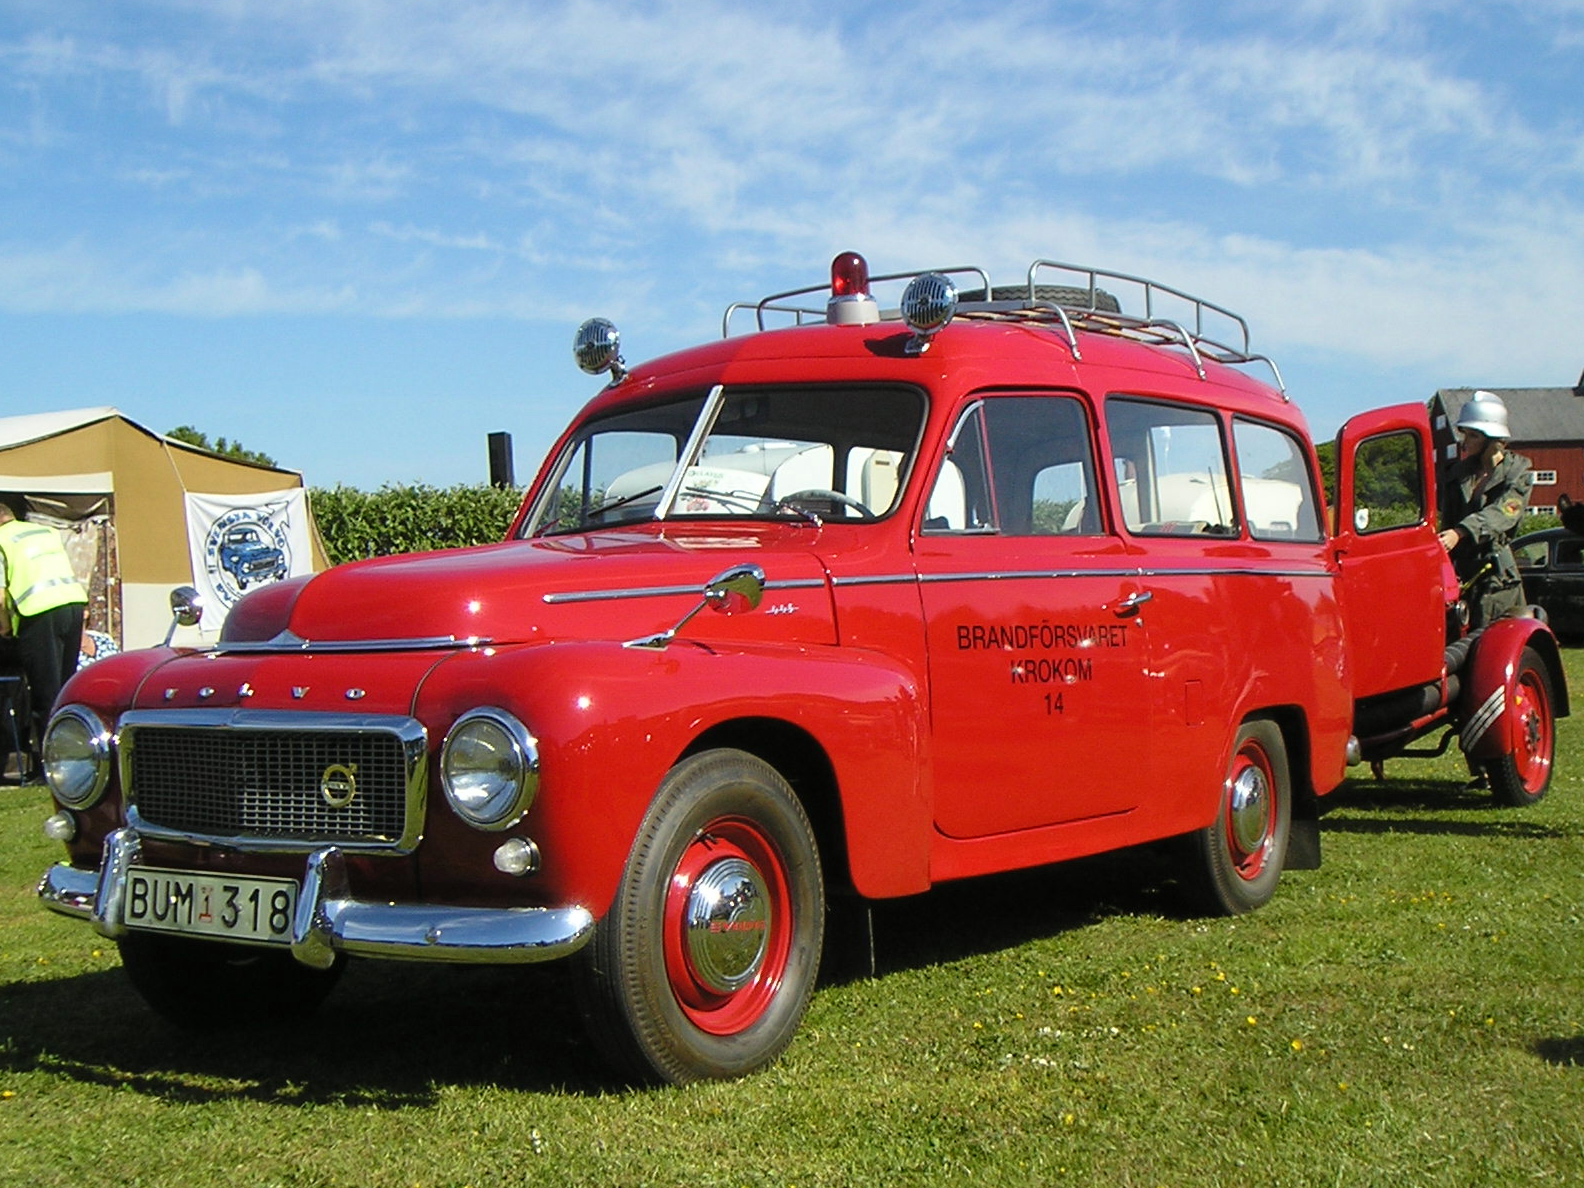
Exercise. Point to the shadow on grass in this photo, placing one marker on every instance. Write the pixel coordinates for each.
(1568, 1052)
(395, 1035)
(995, 912)
(1419, 806)
(390, 1036)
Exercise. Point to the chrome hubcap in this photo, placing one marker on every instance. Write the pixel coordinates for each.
(1250, 809)
(727, 925)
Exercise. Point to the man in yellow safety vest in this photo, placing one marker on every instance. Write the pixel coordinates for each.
(43, 607)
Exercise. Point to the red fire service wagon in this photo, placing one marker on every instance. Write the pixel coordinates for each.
(851, 603)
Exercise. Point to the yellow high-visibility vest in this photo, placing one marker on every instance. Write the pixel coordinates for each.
(39, 575)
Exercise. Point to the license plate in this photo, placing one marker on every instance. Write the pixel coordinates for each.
(230, 906)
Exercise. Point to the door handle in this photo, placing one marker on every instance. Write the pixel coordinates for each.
(1130, 605)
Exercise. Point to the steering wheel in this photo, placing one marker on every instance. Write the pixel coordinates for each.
(828, 496)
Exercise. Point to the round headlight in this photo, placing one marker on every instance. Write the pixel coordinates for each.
(489, 767)
(77, 757)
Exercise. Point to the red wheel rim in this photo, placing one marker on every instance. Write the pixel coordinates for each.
(728, 926)
(1250, 810)
(1533, 749)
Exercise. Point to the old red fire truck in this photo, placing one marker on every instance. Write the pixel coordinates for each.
(860, 600)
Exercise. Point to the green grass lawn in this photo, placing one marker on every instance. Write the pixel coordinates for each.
(1408, 1014)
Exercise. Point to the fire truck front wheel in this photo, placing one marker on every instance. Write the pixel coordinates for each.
(1237, 860)
(1522, 775)
(704, 965)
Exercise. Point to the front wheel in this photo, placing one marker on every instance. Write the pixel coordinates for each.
(1522, 775)
(1237, 859)
(212, 986)
(704, 965)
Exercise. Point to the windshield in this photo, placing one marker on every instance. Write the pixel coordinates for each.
(810, 454)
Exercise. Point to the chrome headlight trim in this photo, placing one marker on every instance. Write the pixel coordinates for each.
(77, 758)
(489, 768)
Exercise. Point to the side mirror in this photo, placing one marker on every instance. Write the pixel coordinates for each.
(731, 592)
(736, 591)
(186, 610)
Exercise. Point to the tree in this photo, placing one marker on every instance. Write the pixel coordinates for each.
(226, 449)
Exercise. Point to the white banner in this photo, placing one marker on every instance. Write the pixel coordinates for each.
(242, 542)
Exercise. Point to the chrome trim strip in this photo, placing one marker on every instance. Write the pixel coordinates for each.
(570, 596)
(890, 579)
(410, 732)
(288, 642)
(253, 719)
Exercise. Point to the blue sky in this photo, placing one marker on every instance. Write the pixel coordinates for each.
(359, 235)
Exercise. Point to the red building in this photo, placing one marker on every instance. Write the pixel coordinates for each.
(1547, 428)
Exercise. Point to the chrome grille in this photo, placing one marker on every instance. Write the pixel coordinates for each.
(235, 779)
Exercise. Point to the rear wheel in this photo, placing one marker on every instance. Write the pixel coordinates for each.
(704, 965)
(211, 986)
(1522, 776)
(1238, 858)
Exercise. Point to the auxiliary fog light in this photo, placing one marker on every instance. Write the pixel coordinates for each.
(61, 827)
(517, 856)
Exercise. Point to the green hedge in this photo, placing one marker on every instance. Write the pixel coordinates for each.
(402, 519)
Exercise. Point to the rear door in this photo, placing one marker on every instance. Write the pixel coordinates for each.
(1394, 571)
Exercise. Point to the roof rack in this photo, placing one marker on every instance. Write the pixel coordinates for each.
(1072, 299)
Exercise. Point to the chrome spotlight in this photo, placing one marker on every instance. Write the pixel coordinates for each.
(597, 348)
(928, 304)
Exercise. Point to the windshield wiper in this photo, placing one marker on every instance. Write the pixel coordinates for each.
(598, 509)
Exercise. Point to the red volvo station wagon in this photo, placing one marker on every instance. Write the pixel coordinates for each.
(854, 602)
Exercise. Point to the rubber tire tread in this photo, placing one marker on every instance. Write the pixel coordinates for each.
(1214, 883)
(628, 1006)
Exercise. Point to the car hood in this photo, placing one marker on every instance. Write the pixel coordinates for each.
(617, 585)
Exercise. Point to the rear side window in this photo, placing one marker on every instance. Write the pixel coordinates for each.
(1018, 466)
(1171, 469)
(1278, 491)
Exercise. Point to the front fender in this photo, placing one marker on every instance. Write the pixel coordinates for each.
(1486, 729)
(610, 721)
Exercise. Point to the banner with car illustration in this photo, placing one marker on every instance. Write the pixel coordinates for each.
(241, 542)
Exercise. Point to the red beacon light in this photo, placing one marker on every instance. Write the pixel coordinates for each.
(850, 302)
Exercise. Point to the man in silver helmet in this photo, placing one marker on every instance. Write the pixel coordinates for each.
(1487, 490)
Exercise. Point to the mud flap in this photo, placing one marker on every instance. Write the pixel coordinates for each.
(1303, 844)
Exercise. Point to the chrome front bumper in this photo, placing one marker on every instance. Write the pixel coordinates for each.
(330, 921)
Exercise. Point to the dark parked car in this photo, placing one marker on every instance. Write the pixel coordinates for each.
(1552, 563)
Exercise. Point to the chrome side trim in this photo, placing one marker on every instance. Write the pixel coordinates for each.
(1141, 574)
(414, 739)
(891, 579)
(570, 596)
(286, 641)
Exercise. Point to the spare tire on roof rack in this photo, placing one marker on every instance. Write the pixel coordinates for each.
(1068, 296)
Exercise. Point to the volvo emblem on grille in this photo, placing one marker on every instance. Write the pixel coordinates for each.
(338, 784)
